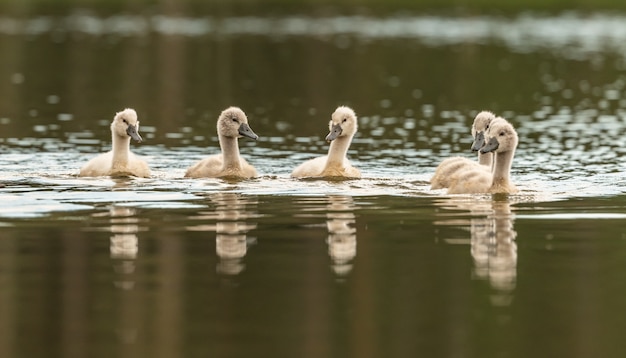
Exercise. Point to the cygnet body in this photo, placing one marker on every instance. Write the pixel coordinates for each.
(343, 126)
(120, 161)
(501, 139)
(231, 125)
(448, 169)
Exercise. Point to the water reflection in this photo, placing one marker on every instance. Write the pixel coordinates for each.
(124, 247)
(492, 243)
(494, 249)
(231, 216)
(124, 243)
(341, 233)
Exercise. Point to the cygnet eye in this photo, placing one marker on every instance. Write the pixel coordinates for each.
(344, 120)
(502, 133)
(125, 121)
(235, 120)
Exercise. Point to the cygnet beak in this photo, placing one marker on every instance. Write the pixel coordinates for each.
(490, 146)
(244, 130)
(335, 132)
(132, 132)
(479, 141)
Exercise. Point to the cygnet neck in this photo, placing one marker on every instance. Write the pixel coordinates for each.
(230, 151)
(502, 168)
(485, 159)
(121, 145)
(338, 150)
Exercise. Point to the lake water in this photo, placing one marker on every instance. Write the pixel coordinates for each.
(377, 267)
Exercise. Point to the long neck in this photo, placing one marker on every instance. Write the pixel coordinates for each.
(485, 159)
(338, 150)
(230, 151)
(121, 149)
(502, 168)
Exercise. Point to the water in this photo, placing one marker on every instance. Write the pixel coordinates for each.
(381, 266)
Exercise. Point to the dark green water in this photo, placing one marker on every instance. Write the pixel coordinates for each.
(376, 267)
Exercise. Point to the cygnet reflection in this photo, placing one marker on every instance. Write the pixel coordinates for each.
(123, 249)
(492, 242)
(494, 249)
(341, 234)
(231, 215)
(231, 246)
(124, 243)
(231, 240)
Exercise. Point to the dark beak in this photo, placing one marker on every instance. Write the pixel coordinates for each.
(132, 132)
(479, 141)
(335, 132)
(490, 146)
(245, 131)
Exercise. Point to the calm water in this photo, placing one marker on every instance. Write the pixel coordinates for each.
(377, 267)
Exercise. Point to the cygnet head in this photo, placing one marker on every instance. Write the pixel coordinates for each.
(481, 124)
(342, 123)
(501, 137)
(233, 123)
(125, 124)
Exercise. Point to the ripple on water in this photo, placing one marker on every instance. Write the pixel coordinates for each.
(24, 206)
(405, 174)
(566, 153)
